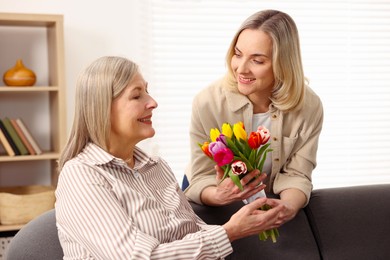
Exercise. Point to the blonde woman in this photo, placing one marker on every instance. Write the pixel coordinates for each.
(264, 85)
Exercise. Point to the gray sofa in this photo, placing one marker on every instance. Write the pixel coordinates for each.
(349, 223)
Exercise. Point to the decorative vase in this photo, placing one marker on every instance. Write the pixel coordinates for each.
(19, 75)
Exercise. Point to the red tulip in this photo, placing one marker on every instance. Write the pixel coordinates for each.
(254, 140)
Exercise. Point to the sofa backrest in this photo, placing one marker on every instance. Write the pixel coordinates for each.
(351, 222)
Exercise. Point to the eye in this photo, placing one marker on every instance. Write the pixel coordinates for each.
(258, 62)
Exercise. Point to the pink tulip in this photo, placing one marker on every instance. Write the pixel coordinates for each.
(223, 156)
(215, 147)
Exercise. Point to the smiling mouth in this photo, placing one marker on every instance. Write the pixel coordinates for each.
(145, 120)
(245, 80)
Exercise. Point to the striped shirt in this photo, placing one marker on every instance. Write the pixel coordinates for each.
(106, 210)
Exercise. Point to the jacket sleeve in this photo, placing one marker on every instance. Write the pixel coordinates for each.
(200, 171)
(296, 172)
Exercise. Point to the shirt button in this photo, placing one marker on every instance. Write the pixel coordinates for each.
(276, 160)
(274, 116)
(136, 174)
(275, 139)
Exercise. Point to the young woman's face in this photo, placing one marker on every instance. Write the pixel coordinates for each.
(131, 113)
(252, 64)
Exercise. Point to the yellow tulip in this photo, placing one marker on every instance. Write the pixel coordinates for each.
(227, 130)
(239, 131)
(214, 133)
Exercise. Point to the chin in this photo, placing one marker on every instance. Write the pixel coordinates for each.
(244, 90)
(151, 133)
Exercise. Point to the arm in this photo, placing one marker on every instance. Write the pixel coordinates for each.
(293, 183)
(90, 215)
(210, 110)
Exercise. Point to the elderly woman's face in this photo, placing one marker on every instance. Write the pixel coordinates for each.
(131, 113)
(252, 63)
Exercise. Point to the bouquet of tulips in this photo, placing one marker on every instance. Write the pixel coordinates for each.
(238, 154)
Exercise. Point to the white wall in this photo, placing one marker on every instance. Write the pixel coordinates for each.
(91, 29)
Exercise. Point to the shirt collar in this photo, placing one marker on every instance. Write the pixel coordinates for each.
(98, 156)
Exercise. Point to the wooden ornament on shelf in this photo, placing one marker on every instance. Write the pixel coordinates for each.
(19, 76)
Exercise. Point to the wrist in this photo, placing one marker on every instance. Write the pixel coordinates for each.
(207, 196)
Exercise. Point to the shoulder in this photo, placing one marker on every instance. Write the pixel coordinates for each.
(312, 100)
(310, 116)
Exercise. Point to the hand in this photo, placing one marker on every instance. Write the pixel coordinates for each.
(249, 220)
(227, 192)
(292, 200)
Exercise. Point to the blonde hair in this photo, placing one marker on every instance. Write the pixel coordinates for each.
(96, 87)
(289, 88)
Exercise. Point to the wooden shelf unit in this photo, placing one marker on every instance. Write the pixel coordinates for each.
(55, 91)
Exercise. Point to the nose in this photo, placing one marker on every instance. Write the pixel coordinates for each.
(242, 66)
(152, 104)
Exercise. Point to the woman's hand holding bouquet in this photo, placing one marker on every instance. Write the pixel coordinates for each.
(238, 155)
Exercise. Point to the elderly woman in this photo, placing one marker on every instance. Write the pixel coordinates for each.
(116, 202)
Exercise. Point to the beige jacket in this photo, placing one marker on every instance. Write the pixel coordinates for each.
(294, 138)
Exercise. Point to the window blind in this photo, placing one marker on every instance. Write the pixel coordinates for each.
(346, 55)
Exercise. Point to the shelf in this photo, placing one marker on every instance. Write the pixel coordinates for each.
(44, 156)
(16, 19)
(4, 228)
(28, 89)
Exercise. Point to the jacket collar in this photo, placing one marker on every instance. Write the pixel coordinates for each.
(236, 100)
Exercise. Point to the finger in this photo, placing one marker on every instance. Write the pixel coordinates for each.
(254, 178)
(257, 203)
(250, 192)
(273, 202)
(219, 172)
(248, 177)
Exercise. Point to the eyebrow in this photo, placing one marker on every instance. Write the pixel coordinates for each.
(140, 87)
(252, 55)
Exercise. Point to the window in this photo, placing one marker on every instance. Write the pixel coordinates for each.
(346, 55)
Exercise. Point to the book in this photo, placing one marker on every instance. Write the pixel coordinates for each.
(28, 135)
(22, 137)
(9, 139)
(6, 144)
(15, 137)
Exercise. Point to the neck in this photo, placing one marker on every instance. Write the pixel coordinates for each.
(126, 154)
(260, 103)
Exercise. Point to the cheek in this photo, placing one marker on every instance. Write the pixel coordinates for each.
(233, 63)
(265, 73)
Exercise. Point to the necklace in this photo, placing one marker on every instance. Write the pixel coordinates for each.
(130, 161)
